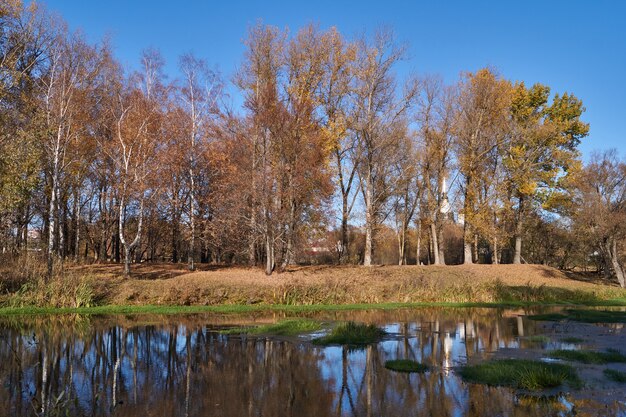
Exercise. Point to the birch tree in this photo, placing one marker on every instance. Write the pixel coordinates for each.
(137, 127)
(67, 87)
(199, 91)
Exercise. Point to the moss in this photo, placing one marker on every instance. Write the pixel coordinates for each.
(283, 328)
(614, 375)
(519, 373)
(584, 316)
(351, 333)
(405, 365)
(588, 356)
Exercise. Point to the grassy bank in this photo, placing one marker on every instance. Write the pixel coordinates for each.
(167, 288)
(289, 308)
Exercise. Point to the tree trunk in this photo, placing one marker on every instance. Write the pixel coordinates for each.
(616, 267)
(127, 259)
(494, 256)
(61, 227)
(175, 240)
(401, 245)
(289, 258)
(475, 247)
(435, 243)
(52, 217)
(367, 259)
(253, 207)
(251, 241)
(128, 247)
(343, 252)
(192, 225)
(418, 242)
(467, 244)
(269, 255)
(77, 214)
(442, 256)
(102, 252)
(517, 257)
(467, 232)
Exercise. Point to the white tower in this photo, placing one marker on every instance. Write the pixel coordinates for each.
(445, 205)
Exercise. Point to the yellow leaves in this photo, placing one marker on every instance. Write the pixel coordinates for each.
(527, 188)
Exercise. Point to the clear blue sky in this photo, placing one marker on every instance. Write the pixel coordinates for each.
(575, 46)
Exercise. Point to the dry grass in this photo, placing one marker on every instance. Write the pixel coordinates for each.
(172, 284)
(22, 284)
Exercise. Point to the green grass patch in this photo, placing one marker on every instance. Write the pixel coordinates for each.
(292, 327)
(405, 365)
(520, 373)
(234, 308)
(351, 333)
(588, 356)
(614, 375)
(251, 308)
(572, 339)
(584, 316)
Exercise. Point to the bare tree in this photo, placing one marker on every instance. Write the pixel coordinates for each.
(436, 115)
(378, 121)
(600, 209)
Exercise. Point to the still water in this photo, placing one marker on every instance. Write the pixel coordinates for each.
(183, 366)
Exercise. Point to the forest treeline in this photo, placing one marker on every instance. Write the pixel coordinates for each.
(332, 157)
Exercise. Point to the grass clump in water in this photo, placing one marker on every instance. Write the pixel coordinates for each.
(538, 339)
(614, 375)
(572, 340)
(283, 328)
(588, 356)
(405, 365)
(520, 373)
(351, 333)
(584, 316)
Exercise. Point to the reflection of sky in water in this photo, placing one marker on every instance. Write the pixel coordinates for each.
(441, 346)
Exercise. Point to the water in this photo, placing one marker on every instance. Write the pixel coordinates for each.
(182, 366)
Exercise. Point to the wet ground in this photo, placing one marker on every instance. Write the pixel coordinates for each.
(182, 365)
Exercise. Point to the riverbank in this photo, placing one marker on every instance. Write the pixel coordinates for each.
(167, 288)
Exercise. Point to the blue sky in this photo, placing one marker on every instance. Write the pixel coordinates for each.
(573, 46)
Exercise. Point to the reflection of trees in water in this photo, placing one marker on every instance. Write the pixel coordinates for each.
(145, 370)
(188, 369)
